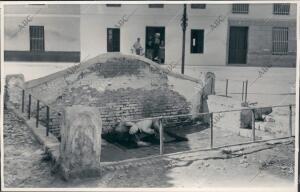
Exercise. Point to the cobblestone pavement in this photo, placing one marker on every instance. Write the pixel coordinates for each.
(23, 165)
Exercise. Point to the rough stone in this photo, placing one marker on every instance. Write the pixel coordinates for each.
(210, 79)
(262, 111)
(246, 116)
(246, 119)
(80, 142)
(15, 84)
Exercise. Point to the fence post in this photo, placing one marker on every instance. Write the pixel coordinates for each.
(253, 124)
(23, 100)
(29, 106)
(226, 87)
(211, 131)
(211, 86)
(290, 121)
(47, 121)
(246, 90)
(161, 137)
(243, 91)
(37, 113)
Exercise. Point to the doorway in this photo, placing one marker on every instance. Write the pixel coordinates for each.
(113, 40)
(238, 45)
(155, 44)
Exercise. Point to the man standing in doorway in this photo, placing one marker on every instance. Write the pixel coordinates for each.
(156, 47)
(138, 47)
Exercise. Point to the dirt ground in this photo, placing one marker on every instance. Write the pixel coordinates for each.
(254, 165)
(259, 165)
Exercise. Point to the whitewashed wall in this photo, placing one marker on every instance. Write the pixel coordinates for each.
(96, 19)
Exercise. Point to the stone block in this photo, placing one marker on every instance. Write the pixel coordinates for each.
(80, 142)
(210, 79)
(14, 85)
(246, 119)
(259, 113)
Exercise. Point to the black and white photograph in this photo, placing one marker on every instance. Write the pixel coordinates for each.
(149, 95)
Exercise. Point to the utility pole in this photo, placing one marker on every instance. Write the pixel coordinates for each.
(184, 24)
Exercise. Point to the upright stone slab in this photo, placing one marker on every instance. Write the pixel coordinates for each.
(80, 142)
(210, 79)
(208, 82)
(14, 85)
(246, 119)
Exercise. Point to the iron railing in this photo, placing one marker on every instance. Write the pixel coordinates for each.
(51, 118)
(44, 115)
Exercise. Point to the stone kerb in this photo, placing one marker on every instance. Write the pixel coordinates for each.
(80, 148)
(14, 84)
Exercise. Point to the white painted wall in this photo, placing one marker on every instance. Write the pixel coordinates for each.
(61, 25)
(95, 21)
(61, 33)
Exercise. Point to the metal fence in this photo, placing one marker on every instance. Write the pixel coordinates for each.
(233, 88)
(34, 108)
(211, 126)
(50, 118)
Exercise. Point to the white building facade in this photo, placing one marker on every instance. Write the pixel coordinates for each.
(216, 35)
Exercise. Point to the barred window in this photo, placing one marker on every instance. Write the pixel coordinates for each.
(156, 5)
(113, 5)
(198, 6)
(240, 8)
(280, 41)
(37, 40)
(281, 8)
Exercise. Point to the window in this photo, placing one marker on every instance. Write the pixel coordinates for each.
(156, 5)
(280, 41)
(281, 9)
(36, 34)
(198, 6)
(113, 5)
(197, 40)
(113, 40)
(240, 8)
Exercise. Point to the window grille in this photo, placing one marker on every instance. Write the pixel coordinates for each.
(281, 9)
(37, 38)
(198, 6)
(156, 5)
(280, 41)
(240, 8)
(113, 5)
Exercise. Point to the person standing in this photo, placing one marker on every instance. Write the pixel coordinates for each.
(161, 53)
(138, 47)
(156, 47)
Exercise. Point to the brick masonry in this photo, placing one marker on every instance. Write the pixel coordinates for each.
(122, 88)
(260, 42)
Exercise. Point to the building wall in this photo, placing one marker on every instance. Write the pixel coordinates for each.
(77, 32)
(61, 31)
(122, 87)
(94, 30)
(260, 21)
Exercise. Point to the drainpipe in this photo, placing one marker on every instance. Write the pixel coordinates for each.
(184, 24)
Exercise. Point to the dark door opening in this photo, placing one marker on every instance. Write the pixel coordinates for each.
(113, 40)
(155, 44)
(238, 45)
